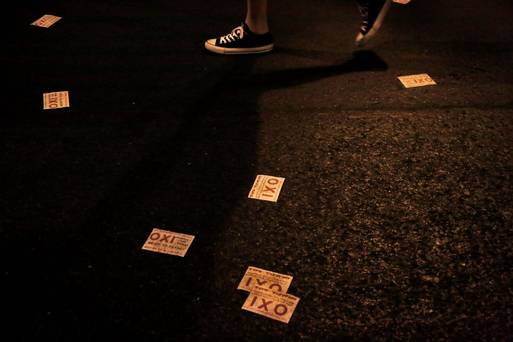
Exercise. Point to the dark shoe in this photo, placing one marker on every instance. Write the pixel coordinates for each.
(241, 41)
(373, 13)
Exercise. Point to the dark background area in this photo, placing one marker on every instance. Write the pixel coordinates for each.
(395, 218)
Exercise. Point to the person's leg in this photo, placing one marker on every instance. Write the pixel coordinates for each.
(373, 13)
(256, 16)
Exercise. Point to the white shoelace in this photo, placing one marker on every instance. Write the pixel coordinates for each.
(236, 34)
(364, 11)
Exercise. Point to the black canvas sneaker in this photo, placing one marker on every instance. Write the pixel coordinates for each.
(241, 41)
(373, 13)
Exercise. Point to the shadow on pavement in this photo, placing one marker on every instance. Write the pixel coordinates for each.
(360, 61)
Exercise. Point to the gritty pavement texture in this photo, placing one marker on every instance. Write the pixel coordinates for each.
(395, 219)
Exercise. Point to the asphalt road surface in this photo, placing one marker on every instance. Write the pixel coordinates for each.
(395, 218)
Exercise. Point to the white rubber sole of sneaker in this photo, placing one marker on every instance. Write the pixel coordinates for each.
(361, 39)
(238, 51)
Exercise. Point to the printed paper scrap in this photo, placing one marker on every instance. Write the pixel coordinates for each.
(46, 21)
(163, 241)
(55, 100)
(419, 80)
(259, 277)
(266, 188)
(274, 305)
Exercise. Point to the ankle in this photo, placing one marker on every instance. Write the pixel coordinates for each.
(257, 27)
